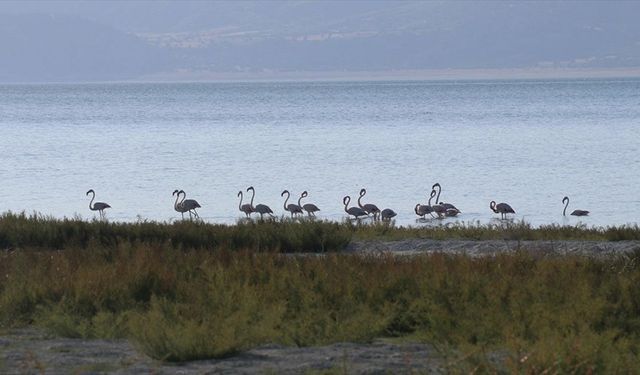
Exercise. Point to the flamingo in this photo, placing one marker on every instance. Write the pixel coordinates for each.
(387, 214)
(422, 210)
(262, 209)
(189, 204)
(178, 205)
(355, 211)
(98, 206)
(294, 209)
(502, 208)
(565, 200)
(369, 208)
(450, 209)
(246, 208)
(309, 207)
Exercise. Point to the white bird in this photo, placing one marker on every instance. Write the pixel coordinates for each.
(262, 209)
(246, 208)
(294, 209)
(309, 207)
(565, 200)
(369, 208)
(355, 211)
(98, 206)
(501, 208)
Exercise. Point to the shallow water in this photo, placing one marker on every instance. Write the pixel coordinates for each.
(527, 143)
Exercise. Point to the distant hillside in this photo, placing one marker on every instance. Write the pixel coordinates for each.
(105, 40)
(38, 47)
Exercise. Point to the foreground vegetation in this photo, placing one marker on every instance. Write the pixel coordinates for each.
(187, 291)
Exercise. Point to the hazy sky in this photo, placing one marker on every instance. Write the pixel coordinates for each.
(118, 40)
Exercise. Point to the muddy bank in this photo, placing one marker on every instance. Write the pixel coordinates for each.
(491, 247)
(31, 351)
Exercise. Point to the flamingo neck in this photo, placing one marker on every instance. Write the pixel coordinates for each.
(286, 200)
(564, 212)
(93, 196)
(175, 205)
(253, 194)
(240, 204)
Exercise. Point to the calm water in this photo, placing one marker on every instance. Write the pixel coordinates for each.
(527, 143)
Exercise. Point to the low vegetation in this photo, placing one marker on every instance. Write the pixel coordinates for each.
(280, 235)
(187, 291)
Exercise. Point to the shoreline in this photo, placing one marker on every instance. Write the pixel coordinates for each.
(475, 248)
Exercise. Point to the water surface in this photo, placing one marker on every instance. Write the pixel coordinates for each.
(527, 143)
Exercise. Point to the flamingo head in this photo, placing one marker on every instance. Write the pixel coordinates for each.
(284, 192)
(363, 191)
(250, 188)
(90, 191)
(565, 199)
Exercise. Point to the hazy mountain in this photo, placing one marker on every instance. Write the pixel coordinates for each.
(106, 40)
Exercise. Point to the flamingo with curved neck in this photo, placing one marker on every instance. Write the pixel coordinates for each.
(246, 208)
(355, 211)
(369, 208)
(575, 212)
(262, 209)
(292, 208)
(501, 208)
(97, 206)
(309, 207)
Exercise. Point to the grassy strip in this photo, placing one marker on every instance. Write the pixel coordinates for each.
(35, 231)
(562, 314)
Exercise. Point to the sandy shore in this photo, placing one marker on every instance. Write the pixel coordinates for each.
(30, 351)
(492, 247)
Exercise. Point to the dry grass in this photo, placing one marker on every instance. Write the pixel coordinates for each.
(560, 314)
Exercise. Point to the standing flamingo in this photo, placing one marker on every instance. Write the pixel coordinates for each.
(262, 209)
(98, 206)
(450, 209)
(178, 205)
(424, 209)
(355, 211)
(575, 212)
(189, 204)
(246, 208)
(309, 207)
(294, 209)
(501, 208)
(369, 208)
